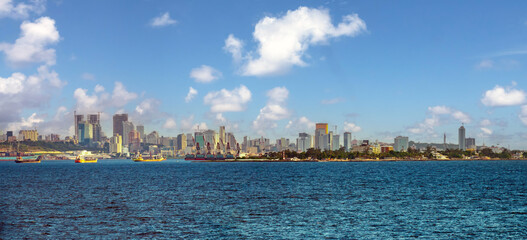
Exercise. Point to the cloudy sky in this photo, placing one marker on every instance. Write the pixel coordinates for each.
(376, 68)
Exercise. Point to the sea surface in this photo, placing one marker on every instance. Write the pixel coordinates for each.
(176, 199)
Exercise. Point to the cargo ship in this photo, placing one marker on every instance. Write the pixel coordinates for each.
(84, 159)
(151, 158)
(28, 159)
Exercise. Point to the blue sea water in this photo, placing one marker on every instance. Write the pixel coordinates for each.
(177, 199)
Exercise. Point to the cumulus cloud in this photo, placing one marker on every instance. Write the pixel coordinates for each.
(19, 92)
(99, 88)
(121, 96)
(170, 123)
(228, 101)
(147, 106)
(188, 125)
(33, 44)
(283, 41)
(234, 46)
(351, 127)
(302, 124)
(205, 74)
(191, 94)
(273, 111)
(162, 20)
(485, 64)
(26, 123)
(439, 115)
(486, 131)
(21, 10)
(500, 96)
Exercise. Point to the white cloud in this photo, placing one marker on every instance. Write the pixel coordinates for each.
(485, 122)
(170, 123)
(228, 101)
(332, 101)
(21, 10)
(351, 127)
(500, 96)
(188, 125)
(523, 114)
(99, 88)
(191, 94)
(121, 96)
(234, 46)
(13, 84)
(26, 124)
(273, 111)
(485, 64)
(439, 115)
(162, 20)
(302, 124)
(205, 74)
(283, 41)
(32, 45)
(88, 76)
(85, 102)
(486, 131)
(147, 107)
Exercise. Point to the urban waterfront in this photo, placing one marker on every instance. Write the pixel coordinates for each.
(178, 199)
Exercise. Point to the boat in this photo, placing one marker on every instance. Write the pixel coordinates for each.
(151, 158)
(28, 159)
(85, 159)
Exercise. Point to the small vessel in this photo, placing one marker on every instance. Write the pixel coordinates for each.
(28, 159)
(85, 159)
(151, 158)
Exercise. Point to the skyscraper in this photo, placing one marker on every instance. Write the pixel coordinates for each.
(335, 142)
(118, 120)
(400, 144)
(321, 130)
(222, 136)
(461, 138)
(347, 141)
(181, 142)
(127, 128)
(141, 130)
(470, 143)
(77, 118)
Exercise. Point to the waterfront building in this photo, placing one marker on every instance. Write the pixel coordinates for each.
(127, 128)
(190, 140)
(152, 138)
(321, 130)
(116, 144)
(134, 141)
(335, 142)
(199, 138)
(461, 138)
(400, 144)
(303, 142)
(118, 120)
(470, 143)
(28, 135)
(77, 118)
(209, 136)
(85, 132)
(181, 142)
(347, 141)
(222, 135)
(141, 130)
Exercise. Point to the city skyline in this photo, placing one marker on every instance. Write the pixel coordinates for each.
(378, 71)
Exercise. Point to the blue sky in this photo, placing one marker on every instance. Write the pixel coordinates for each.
(376, 68)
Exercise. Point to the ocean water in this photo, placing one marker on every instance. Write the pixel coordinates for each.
(177, 199)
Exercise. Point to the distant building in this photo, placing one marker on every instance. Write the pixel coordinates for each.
(141, 130)
(470, 143)
(152, 138)
(347, 141)
(303, 142)
(118, 120)
(85, 133)
(134, 139)
(335, 142)
(400, 144)
(222, 136)
(181, 142)
(461, 138)
(116, 144)
(28, 135)
(127, 128)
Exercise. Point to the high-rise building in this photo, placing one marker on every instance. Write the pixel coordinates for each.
(181, 142)
(94, 118)
(335, 142)
(134, 139)
(199, 139)
(321, 140)
(209, 138)
(127, 128)
(152, 138)
(116, 144)
(118, 120)
(141, 130)
(28, 135)
(85, 132)
(347, 141)
(470, 143)
(461, 138)
(222, 135)
(400, 144)
(303, 142)
(190, 140)
(77, 118)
